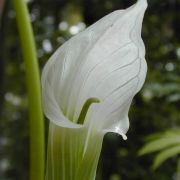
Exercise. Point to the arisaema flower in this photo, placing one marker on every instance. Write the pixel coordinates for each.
(87, 87)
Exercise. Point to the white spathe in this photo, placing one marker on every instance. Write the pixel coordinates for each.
(106, 61)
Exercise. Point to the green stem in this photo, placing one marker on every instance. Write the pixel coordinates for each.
(33, 86)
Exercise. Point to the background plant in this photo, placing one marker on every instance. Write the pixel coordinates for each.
(166, 145)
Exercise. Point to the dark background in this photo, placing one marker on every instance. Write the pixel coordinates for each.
(154, 109)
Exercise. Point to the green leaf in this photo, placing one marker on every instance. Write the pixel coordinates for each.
(160, 144)
(164, 155)
(154, 136)
(167, 133)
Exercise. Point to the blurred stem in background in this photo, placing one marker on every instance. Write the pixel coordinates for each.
(3, 15)
(33, 86)
(2, 2)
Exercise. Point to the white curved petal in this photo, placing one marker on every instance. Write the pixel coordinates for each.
(110, 45)
(105, 61)
(115, 117)
(54, 110)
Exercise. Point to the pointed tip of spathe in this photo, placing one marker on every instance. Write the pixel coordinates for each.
(124, 136)
(118, 131)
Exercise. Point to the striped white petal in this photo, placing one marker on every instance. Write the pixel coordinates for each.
(106, 61)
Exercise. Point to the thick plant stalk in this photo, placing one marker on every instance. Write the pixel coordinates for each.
(33, 87)
(68, 159)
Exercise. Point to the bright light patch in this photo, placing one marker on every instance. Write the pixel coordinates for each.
(28, 1)
(49, 20)
(11, 98)
(47, 46)
(148, 94)
(63, 26)
(4, 141)
(178, 52)
(81, 26)
(32, 17)
(4, 164)
(169, 66)
(74, 30)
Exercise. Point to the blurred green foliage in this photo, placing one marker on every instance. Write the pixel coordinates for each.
(167, 144)
(154, 109)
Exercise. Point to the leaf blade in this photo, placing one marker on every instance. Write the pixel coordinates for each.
(164, 155)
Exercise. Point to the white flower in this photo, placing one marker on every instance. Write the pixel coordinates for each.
(103, 65)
